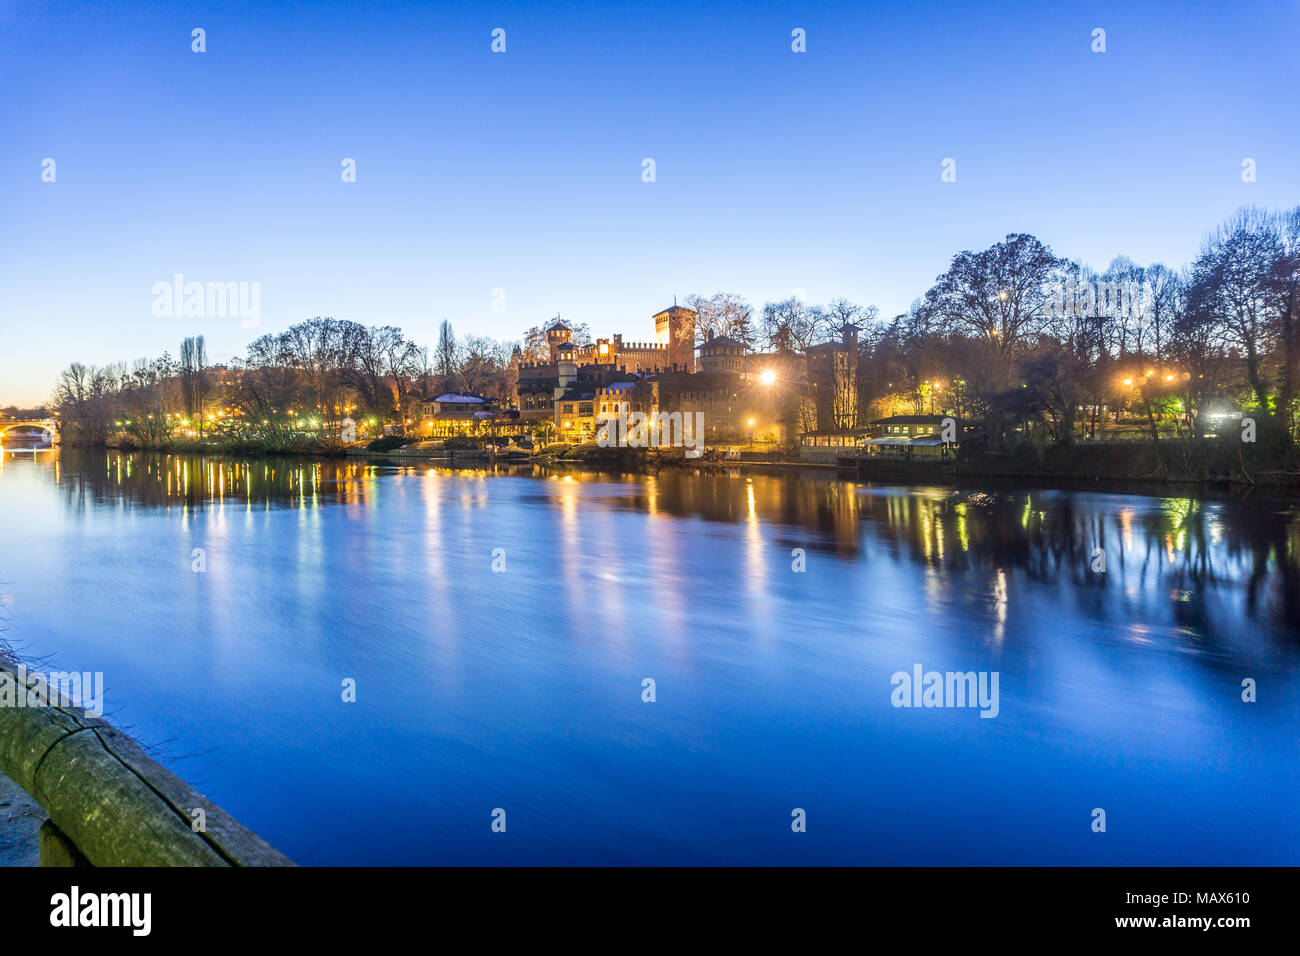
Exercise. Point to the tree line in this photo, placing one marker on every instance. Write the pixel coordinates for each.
(1034, 346)
(1039, 347)
(308, 377)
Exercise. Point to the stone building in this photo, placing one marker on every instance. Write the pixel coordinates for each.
(724, 354)
(564, 388)
(833, 380)
(743, 396)
(673, 347)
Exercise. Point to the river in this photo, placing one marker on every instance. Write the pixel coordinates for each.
(499, 629)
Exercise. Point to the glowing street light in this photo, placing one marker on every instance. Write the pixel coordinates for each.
(767, 376)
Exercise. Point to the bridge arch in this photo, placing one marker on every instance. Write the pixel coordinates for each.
(46, 428)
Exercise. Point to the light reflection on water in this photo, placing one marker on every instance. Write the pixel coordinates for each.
(522, 689)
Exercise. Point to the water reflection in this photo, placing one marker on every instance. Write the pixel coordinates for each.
(523, 688)
(1176, 557)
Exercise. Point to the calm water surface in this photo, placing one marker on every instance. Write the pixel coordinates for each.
(522, 690)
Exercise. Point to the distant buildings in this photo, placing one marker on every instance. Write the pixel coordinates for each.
(833, 374)
(743, 396)
(911, 437)
(451, 414)
(737, 391)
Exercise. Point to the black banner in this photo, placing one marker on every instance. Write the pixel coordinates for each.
(327, 905)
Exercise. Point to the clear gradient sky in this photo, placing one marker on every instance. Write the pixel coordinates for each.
(521, 171)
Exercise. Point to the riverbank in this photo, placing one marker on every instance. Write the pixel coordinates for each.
(310, 447)
(20, 824)
(1170, 467)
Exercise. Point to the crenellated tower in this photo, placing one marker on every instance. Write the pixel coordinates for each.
(675, 328)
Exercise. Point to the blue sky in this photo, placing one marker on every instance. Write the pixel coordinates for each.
(521, 171)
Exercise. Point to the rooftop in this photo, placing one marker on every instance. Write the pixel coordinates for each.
(724, 340)
(913, 420)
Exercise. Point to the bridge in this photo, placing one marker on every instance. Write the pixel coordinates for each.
(45, 429)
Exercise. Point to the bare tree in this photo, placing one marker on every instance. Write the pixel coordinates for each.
(1001, 293)
(535, 348)
(445, 351)
(194, 360)
(481, 359)
(1236, 284)
(723, 313)
(401, 364)
(1164, 291)
(790, 325)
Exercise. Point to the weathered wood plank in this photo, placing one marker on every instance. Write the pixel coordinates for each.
(114, 802)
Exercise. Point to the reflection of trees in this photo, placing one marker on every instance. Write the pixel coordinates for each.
(1184, 562)
(1180, 561)
(197, 481)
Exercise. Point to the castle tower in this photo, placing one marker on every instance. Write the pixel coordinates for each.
(849, 337)
(557, 334)
(566, 369)
(675, 328)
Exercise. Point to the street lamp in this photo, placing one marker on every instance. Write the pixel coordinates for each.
(767, 376)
